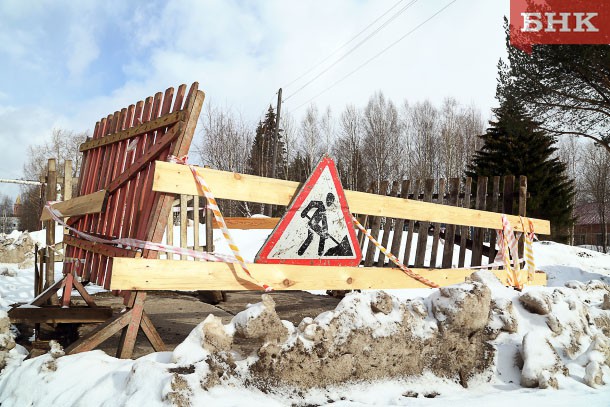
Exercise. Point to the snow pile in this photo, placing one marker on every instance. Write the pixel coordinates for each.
(17, 248)
(574, 338)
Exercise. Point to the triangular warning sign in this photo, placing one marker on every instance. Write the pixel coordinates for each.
(317, 228)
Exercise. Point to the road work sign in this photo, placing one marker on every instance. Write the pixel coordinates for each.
(317, 228)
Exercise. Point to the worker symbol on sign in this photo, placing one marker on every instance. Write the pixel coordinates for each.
(318, 224)
(317, 228)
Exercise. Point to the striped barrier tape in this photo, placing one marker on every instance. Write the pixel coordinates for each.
(140, 244)
(393, 258)
(528, 249)
(213, 206)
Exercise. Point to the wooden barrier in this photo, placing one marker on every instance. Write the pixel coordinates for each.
(175, 178)
(115, 201)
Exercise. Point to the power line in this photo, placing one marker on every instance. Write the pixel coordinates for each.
(375, 56)
(345, 44)
(368, 37)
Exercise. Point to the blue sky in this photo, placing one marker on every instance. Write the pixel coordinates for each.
(67, 63)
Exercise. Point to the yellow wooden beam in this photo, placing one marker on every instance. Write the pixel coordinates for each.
(175, 178)
(145, 274)
(82, 205)
(248, 223)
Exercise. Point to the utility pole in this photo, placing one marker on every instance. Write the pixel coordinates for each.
(277, 131)
(275, 142)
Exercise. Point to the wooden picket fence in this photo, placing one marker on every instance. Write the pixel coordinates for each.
(401, 236)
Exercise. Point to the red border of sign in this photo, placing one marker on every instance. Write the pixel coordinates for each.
(303, 193)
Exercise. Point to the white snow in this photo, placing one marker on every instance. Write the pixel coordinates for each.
(94, 378)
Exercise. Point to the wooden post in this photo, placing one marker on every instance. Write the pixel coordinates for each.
(399, 224)
(464, 230)
(183, 224)
(477, 240)
(411, 227)
(51, 195)
(196, 223)
(454, 188)
(67, 187)
(387, 226)
(437, 225)
(493, 208)
(422, 233)
(522, 207)
(375, 225)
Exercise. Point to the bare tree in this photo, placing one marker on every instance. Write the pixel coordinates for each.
(423, 145)
(347, 149)
(62, 145)
(596, 185)
(225, 144)
(225, 140)
(311, 148)
(383, 149)
(290, 136)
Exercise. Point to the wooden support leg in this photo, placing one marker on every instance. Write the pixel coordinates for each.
(84, 294)
(65, 298)
(151, 334)
(48, 293)
(100, 334)
(130, 332)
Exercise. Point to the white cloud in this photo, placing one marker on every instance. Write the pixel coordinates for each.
(78, 61)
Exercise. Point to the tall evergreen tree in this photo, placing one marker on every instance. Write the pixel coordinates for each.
(261, 154)
(515, 145)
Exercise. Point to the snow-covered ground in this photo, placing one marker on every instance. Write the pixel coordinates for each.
(94, 378)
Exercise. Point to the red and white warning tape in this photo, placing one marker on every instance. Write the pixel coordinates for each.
(393, 258)
(213, 206)
(139, 244)
(507, 241)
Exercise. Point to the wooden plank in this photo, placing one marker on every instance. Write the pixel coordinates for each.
(509, 188)
(130, 332)
(59, 315)
(196, 245)
(67, 184)
(411, 229)
(162, 143)
(152, 274)
(522, 209)
(454, 189)
(493, 208)
(161, 206)
(170, 231)
(160, 122)
(387, 227)
(399, 224)
(100, 334)
(464, 230)
(209, 230)
(477, 240)
(375, 225)
(99, 248)
(249, 223)
(51, 195)
(183, 224)
(436, 225)
(91, 203)
(422, 233)
(176, 178)
(151, 333)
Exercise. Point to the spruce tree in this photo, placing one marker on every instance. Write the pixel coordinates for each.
(261, 154)
(515, 145)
